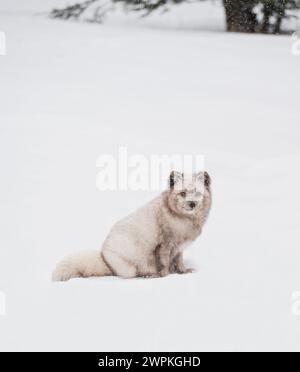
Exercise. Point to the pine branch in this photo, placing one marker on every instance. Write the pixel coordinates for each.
(72, 11)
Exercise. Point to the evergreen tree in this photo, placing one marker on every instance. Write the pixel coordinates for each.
(251, 16)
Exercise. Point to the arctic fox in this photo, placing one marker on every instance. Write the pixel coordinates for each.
(149, 242)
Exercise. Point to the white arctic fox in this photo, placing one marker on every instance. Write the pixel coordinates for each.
(149, 242)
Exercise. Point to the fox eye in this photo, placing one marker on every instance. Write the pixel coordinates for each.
(183, 194)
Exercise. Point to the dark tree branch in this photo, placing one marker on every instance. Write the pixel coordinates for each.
(72, 11)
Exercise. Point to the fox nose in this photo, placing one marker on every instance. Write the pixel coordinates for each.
(192, 205)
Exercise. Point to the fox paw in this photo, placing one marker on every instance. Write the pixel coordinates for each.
(163, 273)
(184, 270)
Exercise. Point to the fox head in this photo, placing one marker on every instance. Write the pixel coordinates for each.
(187, 193)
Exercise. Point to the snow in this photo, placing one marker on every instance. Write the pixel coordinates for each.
(72, 91)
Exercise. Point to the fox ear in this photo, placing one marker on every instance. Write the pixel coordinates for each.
(207, 180)
(204, 178)
(174, 178)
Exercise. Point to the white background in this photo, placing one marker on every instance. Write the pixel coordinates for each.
(167, 84)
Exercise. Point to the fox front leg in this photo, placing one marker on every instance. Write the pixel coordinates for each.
(162, 254)
(177, 265)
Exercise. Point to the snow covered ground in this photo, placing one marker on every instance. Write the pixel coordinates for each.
(70, 92)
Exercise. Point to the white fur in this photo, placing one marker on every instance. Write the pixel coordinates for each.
(88, 263)
(156, 232)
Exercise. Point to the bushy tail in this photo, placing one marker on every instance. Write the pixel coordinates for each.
(84, 264)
